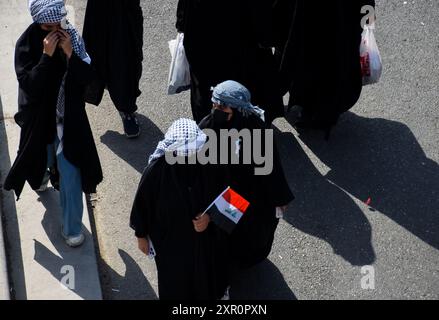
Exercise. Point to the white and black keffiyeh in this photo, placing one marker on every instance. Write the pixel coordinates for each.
(184, 137)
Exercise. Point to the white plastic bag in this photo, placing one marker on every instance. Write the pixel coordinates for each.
(371, 63)
(179, 74)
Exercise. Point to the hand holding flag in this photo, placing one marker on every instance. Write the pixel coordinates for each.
(201, 222)
(227, 210)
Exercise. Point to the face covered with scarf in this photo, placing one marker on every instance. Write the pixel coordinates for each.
(229, 96)
(51, 15)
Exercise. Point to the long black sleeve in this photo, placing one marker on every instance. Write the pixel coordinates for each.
(31, 78)
(80, 71)
(144, 203)
(181, 10)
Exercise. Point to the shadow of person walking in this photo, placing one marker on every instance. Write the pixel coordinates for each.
(322, 209)
(125, 290)
(381, 160)
(81, 260)
(262, 282)
(135, 152)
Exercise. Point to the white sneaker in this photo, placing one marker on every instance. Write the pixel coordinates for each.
(74, 241)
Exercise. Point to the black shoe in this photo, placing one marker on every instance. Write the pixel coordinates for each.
(130, 125)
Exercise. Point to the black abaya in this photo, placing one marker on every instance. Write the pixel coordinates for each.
(251, 242)
(318, 50)
(190, 265)
(113, 34)
(39, 77)
(230, 40)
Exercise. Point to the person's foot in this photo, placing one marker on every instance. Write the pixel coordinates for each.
(130, 125)
(74, 241)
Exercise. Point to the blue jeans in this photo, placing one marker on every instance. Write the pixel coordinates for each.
(70, 191)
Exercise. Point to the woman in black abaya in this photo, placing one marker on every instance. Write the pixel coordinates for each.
(113, 33)
(230, 40)
(191, 261)
(318, 51)
(251, 242)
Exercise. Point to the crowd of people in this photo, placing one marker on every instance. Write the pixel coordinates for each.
(244, 57)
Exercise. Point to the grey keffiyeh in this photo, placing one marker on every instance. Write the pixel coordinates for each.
(235, 95)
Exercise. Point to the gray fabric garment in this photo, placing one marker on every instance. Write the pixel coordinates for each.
(235, 95)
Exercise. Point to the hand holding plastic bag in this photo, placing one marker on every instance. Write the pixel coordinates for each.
(371, 63)
(179, 74)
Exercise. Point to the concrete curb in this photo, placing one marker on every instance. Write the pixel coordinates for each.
(4, 278)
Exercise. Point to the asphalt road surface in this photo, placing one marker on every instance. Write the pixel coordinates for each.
(386, 149)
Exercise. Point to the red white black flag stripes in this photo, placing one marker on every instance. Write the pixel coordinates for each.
(227, 210)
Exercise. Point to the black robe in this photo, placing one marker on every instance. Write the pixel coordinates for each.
(251, 242)
(113, 34)
(318, 50)
(39, 77)
(190, 265)
(230, 40)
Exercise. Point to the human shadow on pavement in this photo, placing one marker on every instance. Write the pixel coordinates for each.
(322, 209)
(10, 223)
(76, 257)
(136, 151)
(123, 288)
(261, 282)
(381, 160)
(79, 258)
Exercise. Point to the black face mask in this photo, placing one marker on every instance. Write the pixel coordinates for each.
(220, 118)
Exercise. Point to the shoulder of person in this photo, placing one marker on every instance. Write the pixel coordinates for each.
(153, 168)
(258, 122)
(206, 123)
(253, 121)
(27, 34)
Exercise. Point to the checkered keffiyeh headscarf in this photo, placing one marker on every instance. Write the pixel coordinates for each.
(54, 11)
(183, 137)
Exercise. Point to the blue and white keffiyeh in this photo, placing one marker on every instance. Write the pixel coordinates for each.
(235, 95)
(184, 137)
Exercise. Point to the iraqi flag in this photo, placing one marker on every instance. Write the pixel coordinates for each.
(227, 210)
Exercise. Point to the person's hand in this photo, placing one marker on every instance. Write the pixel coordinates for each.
(143, 245)
(65, 43)
(50, 43)
(201, 222)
